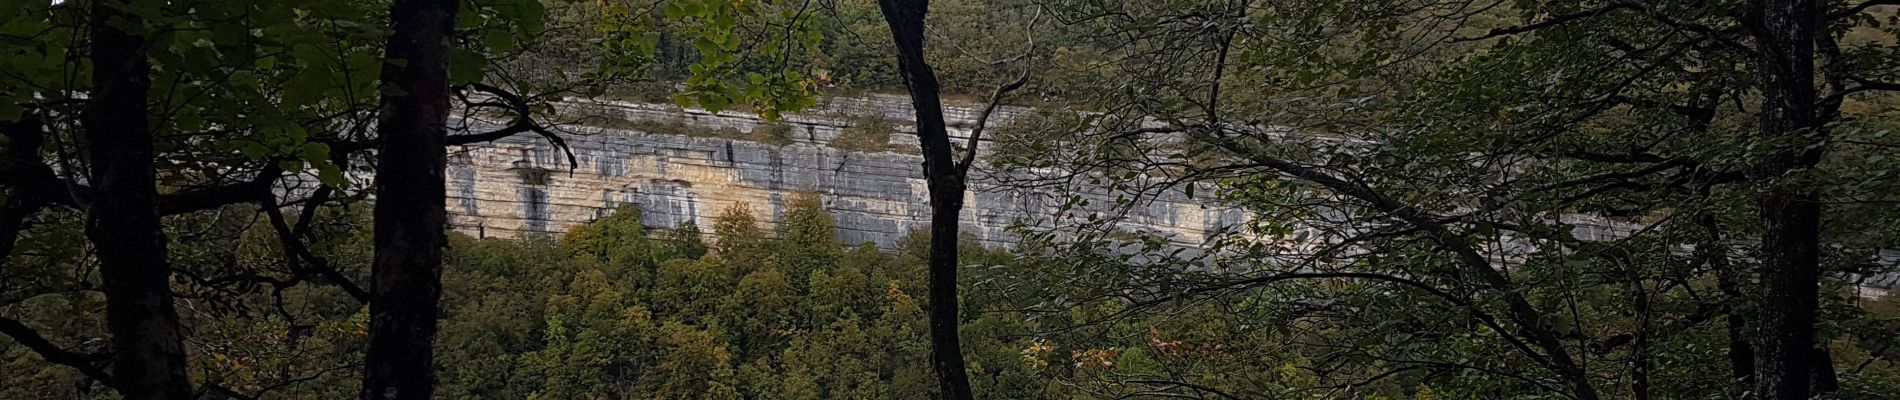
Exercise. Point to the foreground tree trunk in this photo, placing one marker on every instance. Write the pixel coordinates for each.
(1785, 33)
(906, 20)
(406, 281)
(123, 221)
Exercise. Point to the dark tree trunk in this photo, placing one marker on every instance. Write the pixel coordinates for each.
(1641, 359)
(1785, 31)
(1741, 354)
(1824, 378)
(406, 274)
(24, 139)
(1790, 280)
(906, 20)
(123, 220)
(1715, 253)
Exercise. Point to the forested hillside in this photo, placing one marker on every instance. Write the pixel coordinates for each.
(1444, 199)
(611, 310)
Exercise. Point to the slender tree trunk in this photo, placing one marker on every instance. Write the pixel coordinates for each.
(1641, 359)
(1741, 354)
(24, 139)
(1785, 31)
(1715, 253)
(906, 20)
(406, 281)
(123, 221)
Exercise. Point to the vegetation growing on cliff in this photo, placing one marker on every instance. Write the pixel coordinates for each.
(870, 134)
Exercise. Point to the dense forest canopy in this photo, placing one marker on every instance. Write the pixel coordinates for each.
(1445, 199)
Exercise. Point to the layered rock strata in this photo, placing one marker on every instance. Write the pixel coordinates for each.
(689, 165)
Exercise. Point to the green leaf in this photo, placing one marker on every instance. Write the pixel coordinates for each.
(314, 152)
(331, 175)
(714, 102)
(253, 150)
(466, 66)
(499, 41)
(531, 16)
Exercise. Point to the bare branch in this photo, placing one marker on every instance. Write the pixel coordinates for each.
(296, 255)
(255, 190)
(90, 364)
(523, 121)
(1862, 7)
(982, 119)
(1554, 20)
(1520, 310)
(1203, 388)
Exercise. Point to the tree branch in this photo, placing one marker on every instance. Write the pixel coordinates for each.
(1477, 313)
(1216, 392)
(296, 254)
(523, 122)
(255, 190)
(93, 365)
(1519, 309)
(983, 119)
(1862, 7)
(1554, 20)
(86, 363)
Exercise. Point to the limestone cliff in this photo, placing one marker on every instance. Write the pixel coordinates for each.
(689, 165)
(674, 165)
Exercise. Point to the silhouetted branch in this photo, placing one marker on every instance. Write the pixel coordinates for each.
(302, 261)
(1204, 388)
(1554, 20)
(983, 119)
(86, 363)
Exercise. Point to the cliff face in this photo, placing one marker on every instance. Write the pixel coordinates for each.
(668, 164)
(524, 184)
